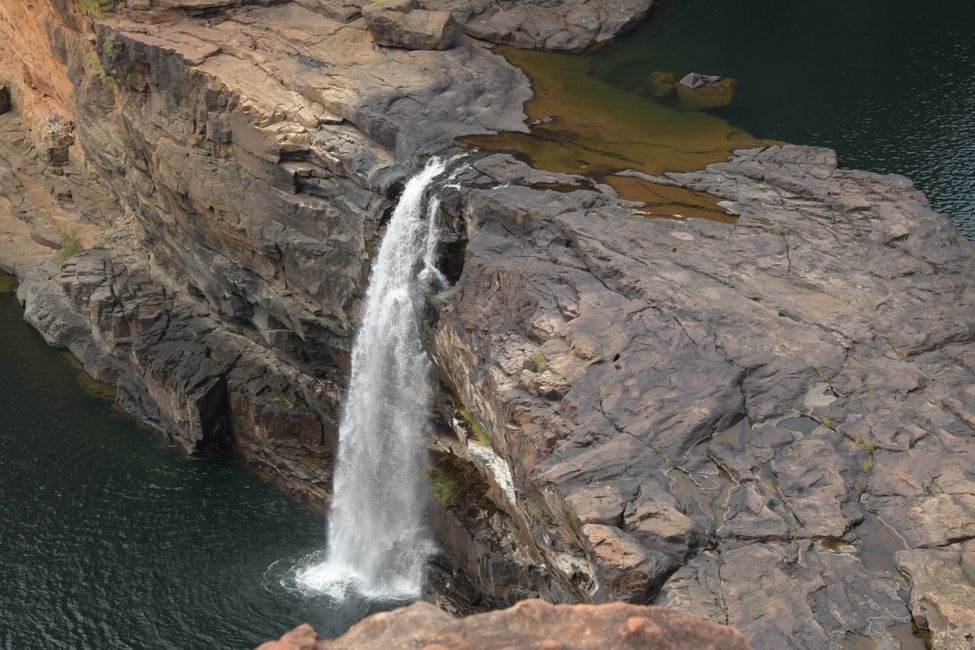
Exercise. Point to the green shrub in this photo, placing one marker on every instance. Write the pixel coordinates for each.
(475, 427)
(540, 361)
(96, 66)
(96, 8)
(70, 244)
(447, 484)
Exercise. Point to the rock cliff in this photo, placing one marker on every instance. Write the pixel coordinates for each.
(774, 415)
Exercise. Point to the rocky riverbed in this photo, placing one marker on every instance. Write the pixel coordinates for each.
(766, 420)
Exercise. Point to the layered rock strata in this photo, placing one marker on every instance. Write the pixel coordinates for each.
(770, 416)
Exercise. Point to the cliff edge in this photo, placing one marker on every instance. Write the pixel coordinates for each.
(529, 624)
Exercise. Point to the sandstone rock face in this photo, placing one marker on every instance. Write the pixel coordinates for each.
(418, 29)
(255, 153)
(529, 624)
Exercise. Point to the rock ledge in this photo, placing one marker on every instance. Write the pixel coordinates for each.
(529, 624)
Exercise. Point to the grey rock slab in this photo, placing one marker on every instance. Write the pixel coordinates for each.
(572, 25)
(943, 594)
(416, 29)
(660, 335)
(790, 596)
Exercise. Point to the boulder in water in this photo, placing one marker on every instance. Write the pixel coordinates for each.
(394, 23)
(702, 91)
(660, 83)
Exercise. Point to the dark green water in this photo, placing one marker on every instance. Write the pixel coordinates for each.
(110, 538)
(889, 84)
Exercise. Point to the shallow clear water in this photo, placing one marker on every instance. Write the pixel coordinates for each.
(889, 84)
(111, 538)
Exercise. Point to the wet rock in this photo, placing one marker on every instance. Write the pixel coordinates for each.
(943, 593)
(395, 24)
(699, 91)
(694, 81)
(529, 624)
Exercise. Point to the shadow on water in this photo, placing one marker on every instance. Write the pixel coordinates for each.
(112, 538)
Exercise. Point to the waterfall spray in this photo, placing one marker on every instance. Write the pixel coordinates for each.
(377, 544)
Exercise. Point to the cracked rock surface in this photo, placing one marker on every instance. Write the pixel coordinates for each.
(765, 423)
(776, 406)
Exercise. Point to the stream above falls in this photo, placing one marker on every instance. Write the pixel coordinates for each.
(888, 84)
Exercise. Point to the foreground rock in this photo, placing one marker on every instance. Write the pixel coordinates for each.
(529, 624)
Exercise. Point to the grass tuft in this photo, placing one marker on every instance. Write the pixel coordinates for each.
(70, 244)
(475, 427)
(540, 361)
(96, 66)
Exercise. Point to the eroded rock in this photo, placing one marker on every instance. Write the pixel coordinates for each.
(397, 24)
(529, 624)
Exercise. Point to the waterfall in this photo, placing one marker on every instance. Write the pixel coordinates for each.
(377, 542)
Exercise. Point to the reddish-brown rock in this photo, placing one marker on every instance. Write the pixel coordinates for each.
(533, 624)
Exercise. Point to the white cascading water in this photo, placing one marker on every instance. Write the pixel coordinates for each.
(378, 544)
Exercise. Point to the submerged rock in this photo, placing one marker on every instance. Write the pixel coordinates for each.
(529, 624)
(660, 84)
(700, 91)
